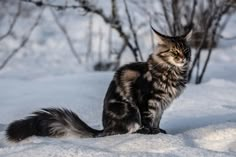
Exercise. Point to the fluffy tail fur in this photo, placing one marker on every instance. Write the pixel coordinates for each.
(50, 122)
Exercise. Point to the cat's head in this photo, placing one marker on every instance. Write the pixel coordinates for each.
(173, 51)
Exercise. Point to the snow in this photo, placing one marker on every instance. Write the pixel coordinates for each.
(201, 122)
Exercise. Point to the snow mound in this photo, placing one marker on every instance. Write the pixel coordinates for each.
(214, 140)
(202, 122)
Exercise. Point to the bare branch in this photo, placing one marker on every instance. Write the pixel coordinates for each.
(110, 42)
(120, 52)
(222, 27)
(176, 20)
(40, 3)
(68, 39)
(88, 7)
(193, 11)
(166, 16)
(223, 10)
(133, 31)
(90, 38)
(116, 24)
(114, 9)
(100, 44)
(24, 41)
(13, 22)
(205, 34)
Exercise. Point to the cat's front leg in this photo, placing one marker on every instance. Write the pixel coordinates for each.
(147, 121)
(152, 116)
(145, 130)
(148, 114)
(156, 123)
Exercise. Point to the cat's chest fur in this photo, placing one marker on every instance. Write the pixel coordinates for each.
(162, 85)
(171, 82)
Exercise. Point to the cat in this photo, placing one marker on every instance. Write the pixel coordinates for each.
(134, 102)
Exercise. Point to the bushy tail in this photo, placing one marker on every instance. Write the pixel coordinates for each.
(50, 122)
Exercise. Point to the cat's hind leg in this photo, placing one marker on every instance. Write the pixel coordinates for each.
(120, 118)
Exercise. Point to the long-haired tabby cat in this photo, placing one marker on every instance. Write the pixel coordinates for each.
(135, 100)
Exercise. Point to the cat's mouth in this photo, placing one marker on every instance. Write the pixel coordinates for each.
(179, 64)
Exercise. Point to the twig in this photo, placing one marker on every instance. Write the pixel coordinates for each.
(100, 45)
(88, 7)
(198, 68)
(133, 31)
(90, 37)
(114, 14)
(110, 42)
(175, 12)
(193, 11)
(205, 34)
(40, 3)
(24, 41)
(224, 10)
(116, 24)
(68, 39)
(222, 26)
(13, 22)
(166, 16)
(119, 54)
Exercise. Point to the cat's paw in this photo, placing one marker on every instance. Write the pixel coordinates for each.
(146, 130)
(143, 130)
(155, 131)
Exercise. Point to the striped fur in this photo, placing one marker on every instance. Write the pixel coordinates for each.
(50, 122)
(134, 103)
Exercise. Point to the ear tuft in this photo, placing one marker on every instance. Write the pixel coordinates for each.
(188, 35)
(189, 32)
(160, 38)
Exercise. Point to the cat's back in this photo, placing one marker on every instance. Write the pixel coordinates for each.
(138, 68)
(126, 74)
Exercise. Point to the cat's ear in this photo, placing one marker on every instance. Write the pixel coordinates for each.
(161, 39)
(187, 36)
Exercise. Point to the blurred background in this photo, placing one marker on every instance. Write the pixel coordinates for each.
(63, 53)
(58, 37)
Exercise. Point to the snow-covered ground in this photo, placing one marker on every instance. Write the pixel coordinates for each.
(201, 122)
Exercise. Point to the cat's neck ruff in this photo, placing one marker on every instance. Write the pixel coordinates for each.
(153, 65)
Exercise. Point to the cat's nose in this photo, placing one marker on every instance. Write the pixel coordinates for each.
(181, 60)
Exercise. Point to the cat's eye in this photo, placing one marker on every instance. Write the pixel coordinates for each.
(174, 54)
